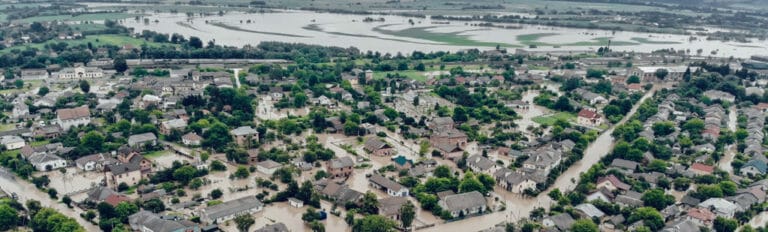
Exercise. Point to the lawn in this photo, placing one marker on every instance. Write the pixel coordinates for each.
(410, 74)
(82, 17)
(449, 38)
(7, 127)
(550, 120)
(89, 27)
(155, 154)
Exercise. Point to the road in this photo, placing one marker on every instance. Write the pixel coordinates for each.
(519, 207)
(730, 151)
(27, 191)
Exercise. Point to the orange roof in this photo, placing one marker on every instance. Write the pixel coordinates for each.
(585, 113)
(702, 167)
(702, 214)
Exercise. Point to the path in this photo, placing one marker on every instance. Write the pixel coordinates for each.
(519, 207)
(27, 191)
(730, 151)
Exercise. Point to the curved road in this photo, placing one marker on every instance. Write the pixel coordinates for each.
(27, 191)
(519, 207)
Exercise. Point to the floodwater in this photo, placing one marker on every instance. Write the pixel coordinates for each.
(730, 152)
(349, 30)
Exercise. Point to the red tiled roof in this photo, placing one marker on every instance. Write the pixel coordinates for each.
(73, 113)
(702, 167)
(585, 113)
(702, 214)
(615, 181)
(115, 199)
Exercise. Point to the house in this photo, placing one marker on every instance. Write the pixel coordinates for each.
(191, 139)
(174, 124)
(47, 162)
(268, 167)
(295, 202)
(516, 182)
(702, 216)
(231, 209)
(72, 117)
(449, 151)
(12, 142)
(145, 139)
(104, 194)
(626, 165)
(701, 169)
(543, 159)
(79, 73)
(391, 187)
(601, 194)
(402, 163)
(562, 222)
(481, 164)
(34, 74)
(682, 226)
(245, 135)
(590, 97)
(20, 110)
(441, 124)
(589, 117)
(721, 207)
(146, 221)
(449, 136)
(94, 162)
(611, 183)
(340, 194)
(629, 198)
(464, 204)
(648, 73)
(589, 210)
(376, 146)
(47, 131)
(754, 167)
(340, 167)
(128, 173)
(719, 95)
(390, 207)
(277, 227)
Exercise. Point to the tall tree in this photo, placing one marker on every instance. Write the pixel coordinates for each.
(120, 65)
(370, 203)
(374, 223)
(584, 225)
(244, 222)
(9, 217)
(84, 86)
(407, 214)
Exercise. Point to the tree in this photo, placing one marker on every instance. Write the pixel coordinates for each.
(195, 42)
(93, 141)
(84, 86)
(9, 217)
(443, 171)
(695, 126)
(650, 217)
(18, 83)
(242, 172)
(154, 205)
(374, 223)
(244, 222)
(563, 104)
(217, 165)
(728, 187)
(725, 225)
(217, 136)
(125, 209)
(310, 215)
(48, 219)
(663, 128)
(120, 65)
(66, 200)
(407, 214)
(316, 226)
(657, 199)
(370, 204)
(487, 181)
(184, 174)
(709, 191)
(43, 91)
(584, 225)
(633, 79)
(216, 193)
(470, 183)
(661, 73)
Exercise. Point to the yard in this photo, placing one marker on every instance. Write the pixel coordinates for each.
(550, 120)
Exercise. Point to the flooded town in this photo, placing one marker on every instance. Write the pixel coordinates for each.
(380, 116)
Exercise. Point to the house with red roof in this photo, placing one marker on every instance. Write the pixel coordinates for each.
(701, 216)
(589, 117)
(701, 169)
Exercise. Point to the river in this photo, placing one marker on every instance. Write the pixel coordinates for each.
(397, 34)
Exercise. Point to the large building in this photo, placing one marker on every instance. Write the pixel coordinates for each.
(79, 73)
(231, 209)
(648, 73)
(72, 117)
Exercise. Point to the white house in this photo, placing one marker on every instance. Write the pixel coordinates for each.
(391, 187)
(46, 162)
(20, 110)
(296, 202)
(79, 73)
(12, 142)
(268, 167)
(72, 117)
(231, 209)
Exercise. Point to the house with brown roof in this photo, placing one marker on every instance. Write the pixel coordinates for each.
(377, 146)
(611, 183)
(390, 207)
(340, 167)
(191, 139)
(589, 117)
(702, 216)
(701, 169)
(72, 117)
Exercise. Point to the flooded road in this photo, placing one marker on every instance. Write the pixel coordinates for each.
(26, 191)
(519, 207)
(730, 151)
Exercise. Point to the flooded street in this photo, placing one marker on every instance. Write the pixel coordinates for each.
(730, 151)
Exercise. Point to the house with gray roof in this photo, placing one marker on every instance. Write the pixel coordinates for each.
(481, 164)
(464, 204)
(340, 167)
(562, 222)
(682, 226)
(722, 207)
(231, 209)
(377, 146)
(145, 139)
(624, 165)
(589, 210)
(245, 134)
(146, 221)
(391, 187)
(277, 227)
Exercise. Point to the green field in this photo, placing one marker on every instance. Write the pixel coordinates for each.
(550, 120)
(88, 27)
(317, 28)
(649, 41)
(155, 154)
(96, 40)
(235, 28)
(410, 74)
(533, 39)
(450, 38)
(83, 17)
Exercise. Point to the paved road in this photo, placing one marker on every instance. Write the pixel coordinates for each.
(519, 207)
(27, 191)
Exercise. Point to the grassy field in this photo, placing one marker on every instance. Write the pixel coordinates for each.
(83, 17)
(155, 154)
(235, 28)
(317, 28)
(410, 74)
(450, 38)
(96, 40)
(89, 27)
(7, 127)
(533, 39)
(551, 119)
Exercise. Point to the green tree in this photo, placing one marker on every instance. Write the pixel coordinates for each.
(657, 199)
(370, 204)
(217, 137)
(633, 79)
(470, 183)
(244, 222)
(725, 225)
(563, 104)
(48, 219)
(18, 83)
(650, 217)
(216, 193)
(93, 141)
(663, 128)
(184, 174)
(84, 86)
(695, 126)
(9, 217)
(125, 209)
(728, 187)
(487, 180)
(43, 91)
(709, 191)
(584, 225)
(316, 226)
(242, 172)
(661, 73)
(120, 65)
(374, 223)
(407, 214)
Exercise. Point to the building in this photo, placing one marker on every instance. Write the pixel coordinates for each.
(12, 142)
(611, 183)
(34, 74)
(128, 173)
(146, 221)
(516, 182)
(589, 117)
(277, 227)
(701, 216)
(648, 73)
(391, 187)
(464, 204)
(481, 164)
(94, 162)
(701, 169)
(80, 73)
(20, 110)
(191, 139)
(721, 207)
(295, 202)
(268, 167)
(562, 222)
(376, 146)
(72, 117)
(390, 207)
(140, 140)
(231, 209)
(174, 124)
(245, 135)
(46, 162)
(340, 167)
(719, 95)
